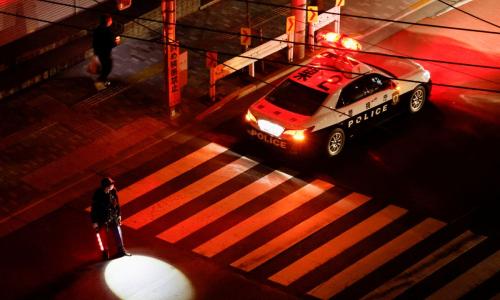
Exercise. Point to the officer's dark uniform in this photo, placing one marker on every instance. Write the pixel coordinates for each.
(105, 215)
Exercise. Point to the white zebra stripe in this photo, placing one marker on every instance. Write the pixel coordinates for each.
(223, 207)
(337, 245)
(374, 260)
(190, 192)
(262, 218)
(169, 172)
(470, 279)
(299, 232)
(426, 266)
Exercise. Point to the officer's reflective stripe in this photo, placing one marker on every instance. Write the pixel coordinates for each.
(374, 260)
(426, 266)
(335, 246)
(169, 172)
(263, 218)
(183, 196)
(470, 279)
(223, 207)
(300, 232)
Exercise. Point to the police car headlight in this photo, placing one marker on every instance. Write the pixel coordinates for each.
(297, 135)
(270, 127)
(250, 117)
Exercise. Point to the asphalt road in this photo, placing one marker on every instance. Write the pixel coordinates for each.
(443, 161)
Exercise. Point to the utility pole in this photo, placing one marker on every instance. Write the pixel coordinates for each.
(170, 56)
(300, 27)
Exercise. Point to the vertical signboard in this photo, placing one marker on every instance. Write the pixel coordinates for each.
(173, 75)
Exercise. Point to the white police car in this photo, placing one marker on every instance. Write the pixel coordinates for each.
(335, 95)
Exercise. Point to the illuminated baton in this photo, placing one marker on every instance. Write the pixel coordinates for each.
(99, 240)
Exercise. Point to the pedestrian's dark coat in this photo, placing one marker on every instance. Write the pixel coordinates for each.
(103, 40)
(105, 207)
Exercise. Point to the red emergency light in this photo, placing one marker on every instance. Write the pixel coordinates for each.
(339, 40)
(123, 4)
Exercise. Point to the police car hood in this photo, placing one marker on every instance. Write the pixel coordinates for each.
(264, 109)
(397, 67)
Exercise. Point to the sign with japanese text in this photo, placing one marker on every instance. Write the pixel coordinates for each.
(173, 75)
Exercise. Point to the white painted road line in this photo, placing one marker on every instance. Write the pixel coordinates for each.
(299, 232)
(337, 245)
(262, 218)
(223, 207)
(190, 192)
(377, 258)
(427, 266)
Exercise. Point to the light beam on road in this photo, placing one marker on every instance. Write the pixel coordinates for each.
(142, 277)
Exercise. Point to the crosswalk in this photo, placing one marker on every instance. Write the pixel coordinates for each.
(309, 236)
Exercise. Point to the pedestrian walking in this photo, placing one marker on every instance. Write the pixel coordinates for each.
(106, 216)
(104, 40)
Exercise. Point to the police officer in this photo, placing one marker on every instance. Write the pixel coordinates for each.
(105, 215)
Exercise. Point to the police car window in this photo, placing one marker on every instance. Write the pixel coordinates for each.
(352, 93)
(375, 83)
(297, 98)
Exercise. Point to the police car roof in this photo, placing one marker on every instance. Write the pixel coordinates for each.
(329, 71)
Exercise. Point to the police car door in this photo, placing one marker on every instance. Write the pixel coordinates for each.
(351, 104)
(380, 93)
(364, 100)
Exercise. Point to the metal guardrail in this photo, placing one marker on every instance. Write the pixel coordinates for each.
(268, 48)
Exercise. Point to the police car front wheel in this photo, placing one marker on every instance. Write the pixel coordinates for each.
(417, 99)
(335, 142)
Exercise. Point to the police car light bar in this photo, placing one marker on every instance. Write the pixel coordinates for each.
(339, 40)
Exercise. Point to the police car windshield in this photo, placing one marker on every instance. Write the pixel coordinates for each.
(297, 98)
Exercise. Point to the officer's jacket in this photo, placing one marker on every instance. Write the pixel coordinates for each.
(105, 207)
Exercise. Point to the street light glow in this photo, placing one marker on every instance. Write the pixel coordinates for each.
(143, 277)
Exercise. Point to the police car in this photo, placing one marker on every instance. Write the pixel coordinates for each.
(335, 95)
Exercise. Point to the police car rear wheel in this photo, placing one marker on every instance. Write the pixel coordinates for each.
(417, 99)
(335, 142)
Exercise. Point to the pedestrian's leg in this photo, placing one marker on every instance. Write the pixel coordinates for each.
(102, 234)
(106, 65)
(117, 232)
